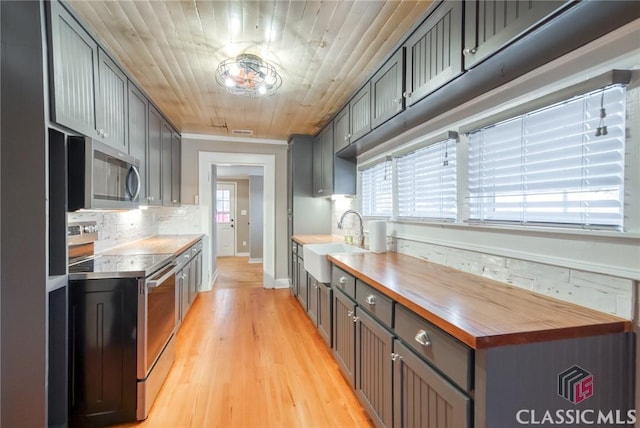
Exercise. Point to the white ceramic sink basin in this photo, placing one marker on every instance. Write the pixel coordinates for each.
(315, 258)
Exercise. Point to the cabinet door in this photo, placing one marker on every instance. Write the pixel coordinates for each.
(374, 368)
(184, 300)
(198, 272)
(102, 343)
(294, 272)
(360, 113)
(112, 107)
(387, 86)
(154, 158)
(322, 166)
(423, 398)
(179, 286)
(341, 135)
(324, 312)
(192, 281)
(312, 300)
(167, 152)
(490, 24)
(434, 52)
(75, 73)
(344, 334)
(176, 144)
(302, 283)
(327, 160)
(138, 129)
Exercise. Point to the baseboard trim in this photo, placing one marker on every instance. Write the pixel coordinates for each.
(242, 254)
(255, 260)
(281, 283)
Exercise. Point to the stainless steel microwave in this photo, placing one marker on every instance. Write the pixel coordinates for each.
(100, 176)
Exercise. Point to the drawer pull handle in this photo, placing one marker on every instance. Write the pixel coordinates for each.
(395, 357)
(371, 299)
(343, 280)
(350, 314)
(423, 338)
(356, 319)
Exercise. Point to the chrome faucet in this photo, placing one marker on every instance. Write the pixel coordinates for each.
(341, 224)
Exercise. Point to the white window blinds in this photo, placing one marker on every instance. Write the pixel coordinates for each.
(563, 164)
(377, 199)
(427, 182)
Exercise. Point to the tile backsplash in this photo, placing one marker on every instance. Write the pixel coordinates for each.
(120, 227)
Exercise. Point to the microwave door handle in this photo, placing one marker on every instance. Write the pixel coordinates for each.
(139, 184)
(156, 282)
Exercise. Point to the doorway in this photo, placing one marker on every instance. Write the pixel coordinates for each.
(225, 219)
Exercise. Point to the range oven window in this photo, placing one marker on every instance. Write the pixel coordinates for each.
(161, 317)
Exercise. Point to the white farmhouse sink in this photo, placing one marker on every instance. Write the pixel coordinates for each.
(315, 258)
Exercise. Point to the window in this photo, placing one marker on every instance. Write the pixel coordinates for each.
(563, 164)
(427, 182)
(223, 206)
(376, 190)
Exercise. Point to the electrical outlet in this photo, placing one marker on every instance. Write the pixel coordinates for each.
(244, 243)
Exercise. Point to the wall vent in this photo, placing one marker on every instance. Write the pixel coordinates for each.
(242, 132)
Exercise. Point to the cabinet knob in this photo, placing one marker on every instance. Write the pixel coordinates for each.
(398, 100)
(469, 51)
(407, 94)
(395, 357)
(105, 134)
(423, 338)
(320, 190)
(150, 198)
(343, 280)
(350, 314)
(371, 299)
(346, 137)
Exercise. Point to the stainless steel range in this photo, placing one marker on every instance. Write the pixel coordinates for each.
(122, 323)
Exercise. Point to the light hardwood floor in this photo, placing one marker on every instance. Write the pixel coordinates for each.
(249, 357)
(237, 272)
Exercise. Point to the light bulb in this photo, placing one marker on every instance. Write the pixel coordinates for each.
(262, 90)
(229, 82)
(234, 70)
(270, 79)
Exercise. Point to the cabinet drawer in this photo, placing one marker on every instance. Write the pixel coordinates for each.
(343, 281)
(196, 248)
(445, 353)
(374, 302)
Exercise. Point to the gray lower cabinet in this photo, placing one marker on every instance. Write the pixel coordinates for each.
(302, 282)
(387, 86)
(138, 131)
(374, 369)
(154, 158)
(312, 299)
(112, 107)
(324, 312)
(293, 269)
(434, 52)
(423, 398)
(344, 334)
(490, 25)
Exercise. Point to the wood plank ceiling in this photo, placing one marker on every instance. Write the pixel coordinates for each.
(324, 51)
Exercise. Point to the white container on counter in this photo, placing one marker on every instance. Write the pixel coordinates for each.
(378, 236)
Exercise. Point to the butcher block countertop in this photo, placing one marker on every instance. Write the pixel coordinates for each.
(317, 239)
(159, 244)
(480, 312)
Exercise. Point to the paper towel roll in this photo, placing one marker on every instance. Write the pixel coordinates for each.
(378, 236)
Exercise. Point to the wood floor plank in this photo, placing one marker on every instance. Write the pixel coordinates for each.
(249, 357)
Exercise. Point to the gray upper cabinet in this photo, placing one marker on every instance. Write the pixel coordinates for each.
(74, 57)
(434, 52)
(154, 158)
(341, 134)
(490, 25)
(138, 132)
(318, 167)
(176, 145)
(387, 86)
(360, 113)
(111, 108)
(167, 151)
(331, 174)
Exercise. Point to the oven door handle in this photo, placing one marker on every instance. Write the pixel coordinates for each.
(152, 283)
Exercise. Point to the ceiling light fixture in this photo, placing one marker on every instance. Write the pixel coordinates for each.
(248, 75)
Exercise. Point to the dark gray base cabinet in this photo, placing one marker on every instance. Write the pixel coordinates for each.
(312, 299)
(102, 351)
(423, 398)
(374, 368)
(325, 306)
(344, 334)
(302, 284)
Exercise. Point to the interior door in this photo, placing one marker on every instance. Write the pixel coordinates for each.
(225, 218)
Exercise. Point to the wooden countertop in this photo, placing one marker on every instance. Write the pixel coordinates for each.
(478, 311)
(317, 239)
(159, 244)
